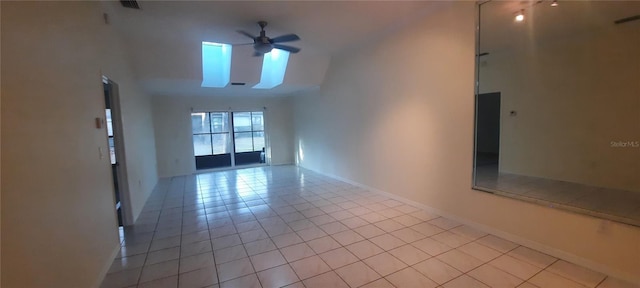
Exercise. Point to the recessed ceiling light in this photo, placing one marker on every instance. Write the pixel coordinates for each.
(520, 16)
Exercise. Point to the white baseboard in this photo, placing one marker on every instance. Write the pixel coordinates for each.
(560, 254)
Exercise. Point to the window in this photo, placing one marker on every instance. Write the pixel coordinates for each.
(112, 148)
(210, 133)
(274, 66)
(248, 131)
(216, 64)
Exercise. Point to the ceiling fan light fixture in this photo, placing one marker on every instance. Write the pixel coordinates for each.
(520, 16)
(554, 3)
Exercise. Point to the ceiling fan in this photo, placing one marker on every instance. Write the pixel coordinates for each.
(263, 44)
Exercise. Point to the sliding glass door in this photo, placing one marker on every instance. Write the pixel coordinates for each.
(215, 145)
(248, 135)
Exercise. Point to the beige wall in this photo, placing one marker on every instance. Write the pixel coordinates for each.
(58, 218)
(398, 117)
(174, 141)
(573, 96)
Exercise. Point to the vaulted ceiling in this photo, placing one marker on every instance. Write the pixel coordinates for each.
(164, 38)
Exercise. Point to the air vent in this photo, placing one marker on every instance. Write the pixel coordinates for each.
(628, 19)
(130, 4)
(238, 83)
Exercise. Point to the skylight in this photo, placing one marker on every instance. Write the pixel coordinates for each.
(216, 64)
(274, 65)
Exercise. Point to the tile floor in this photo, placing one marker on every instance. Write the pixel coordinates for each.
(288, 227)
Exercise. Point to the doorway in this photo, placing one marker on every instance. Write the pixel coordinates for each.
(488, 131)
(116, 148)
(228, 139)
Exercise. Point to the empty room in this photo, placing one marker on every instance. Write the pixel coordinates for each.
(320, 144)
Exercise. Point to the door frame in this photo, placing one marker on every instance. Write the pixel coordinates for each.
(119, 147)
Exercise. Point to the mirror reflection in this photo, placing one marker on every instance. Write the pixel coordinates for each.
(558, 105)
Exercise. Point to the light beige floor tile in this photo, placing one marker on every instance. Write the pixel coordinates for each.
(333, 227)
(479, 251)
(198, 278)
(357, 274)
(407, 220)
(459, 260)
(369, 231)
(380, 283)
(527, 285)
(311, 233)
(547, 279)
(234, 269)
(409, 254)
(354, 222)
(125, 263)
(285, 240)
(226, 241)
(249, 281)
(437, 270)
(387, 241)
(389, 225)
(338, 257)
(159, 270)
(163, 255)
(427, 229)
(468, 232)
(167, 282)
(230, 254)
(464, 281)
(424, 215)
(165, 243)
(323, 244)
(364, 249)
(576, 273)
(385, 263)
(309, 267)
(267, 260)
(295, 285)
(196, 262)
(297, 252)
(277, 277)
(451, 239)
(122, 278)
(329, 279)
(253, 235)
(444, 223)
(611, 282)
(513, 266)
(260, 246)
(347, 237)
(532, 256)
(408, 235)
(494, 277)
(410, 278)
(497, 243)
(431, 247)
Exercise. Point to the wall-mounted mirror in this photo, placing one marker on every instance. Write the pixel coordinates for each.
(558, 105)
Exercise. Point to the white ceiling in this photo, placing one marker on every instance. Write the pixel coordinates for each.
(164, 38)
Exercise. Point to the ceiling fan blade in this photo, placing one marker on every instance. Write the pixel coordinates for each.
(286, 48)
(246, 34)
(285, 38)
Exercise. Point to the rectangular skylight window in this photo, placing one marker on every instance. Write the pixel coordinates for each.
(216, 64)
(274, 65)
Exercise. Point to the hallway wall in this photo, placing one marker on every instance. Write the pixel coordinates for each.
(397, 116)
(59, 224)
